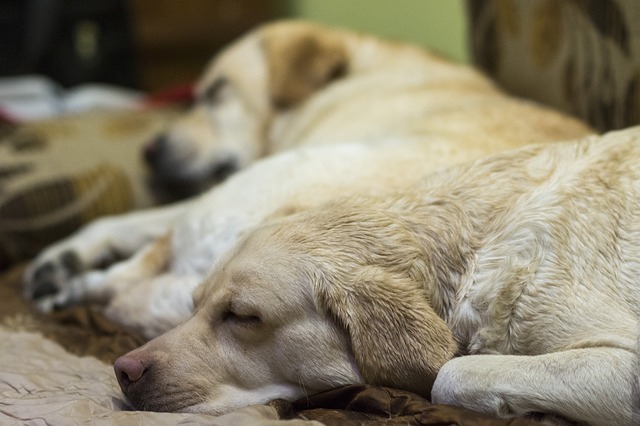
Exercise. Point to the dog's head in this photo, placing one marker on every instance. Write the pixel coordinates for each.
(271, 70)
(301, 306)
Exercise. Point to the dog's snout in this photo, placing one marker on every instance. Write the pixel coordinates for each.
(153, 150)
(128, 370)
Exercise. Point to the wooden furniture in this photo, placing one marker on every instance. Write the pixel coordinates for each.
(175, 39)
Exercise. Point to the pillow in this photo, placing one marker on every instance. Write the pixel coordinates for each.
(582, 57)
(58, 174)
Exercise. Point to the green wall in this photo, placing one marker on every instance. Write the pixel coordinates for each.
(438, 24)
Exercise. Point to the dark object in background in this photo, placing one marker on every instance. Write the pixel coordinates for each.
(145, 44)
(175, 39)
(71, 41)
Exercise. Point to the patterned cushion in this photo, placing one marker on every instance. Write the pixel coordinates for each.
(56, 175)
(581, 56)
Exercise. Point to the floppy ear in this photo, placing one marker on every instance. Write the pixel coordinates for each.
(397, 339)
(301, 60)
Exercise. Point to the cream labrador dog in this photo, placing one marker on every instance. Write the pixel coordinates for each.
(348, 114)
(291, 84)
(526, 263)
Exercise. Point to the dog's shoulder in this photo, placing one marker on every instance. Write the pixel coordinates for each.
(568, 243)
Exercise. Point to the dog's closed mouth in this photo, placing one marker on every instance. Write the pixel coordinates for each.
(222, 170)
(169, 188)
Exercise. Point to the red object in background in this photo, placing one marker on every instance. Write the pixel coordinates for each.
(179, 94)
(6, 118)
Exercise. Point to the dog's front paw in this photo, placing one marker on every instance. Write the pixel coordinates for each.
(49, 275)
(459, 383)
(58, 279)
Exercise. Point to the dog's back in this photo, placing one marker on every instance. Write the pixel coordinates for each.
(387, 89)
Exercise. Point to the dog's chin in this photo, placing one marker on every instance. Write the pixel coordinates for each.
(168, 186)
(169, 189)
(177, 405)
(184, 402)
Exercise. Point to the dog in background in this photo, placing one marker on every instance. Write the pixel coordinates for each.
(292, 84)
(344, 113)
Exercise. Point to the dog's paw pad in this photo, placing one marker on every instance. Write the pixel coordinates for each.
(59, 306)
(43, 272)
(55, 302)
(52, 276)
(44, 289)
(43, 281)
(70, 261)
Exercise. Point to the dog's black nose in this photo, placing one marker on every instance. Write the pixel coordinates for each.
(154, 149)
(128, 370)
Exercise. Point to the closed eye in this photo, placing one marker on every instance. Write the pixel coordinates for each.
(252, 321)
(212, 94)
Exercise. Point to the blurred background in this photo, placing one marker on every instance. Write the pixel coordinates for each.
(152, 45)
(71, 71)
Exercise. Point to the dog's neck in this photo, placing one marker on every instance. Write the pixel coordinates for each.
(371, 64)
(369, 55)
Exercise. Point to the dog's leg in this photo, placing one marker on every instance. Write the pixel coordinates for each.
(100, 286)
(590, 385)
(140, 294)
(636, 384)
(99, 244)
(154, 306)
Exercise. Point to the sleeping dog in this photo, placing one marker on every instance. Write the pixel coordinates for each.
(346, 113)
(526, 263)
(292, 84)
